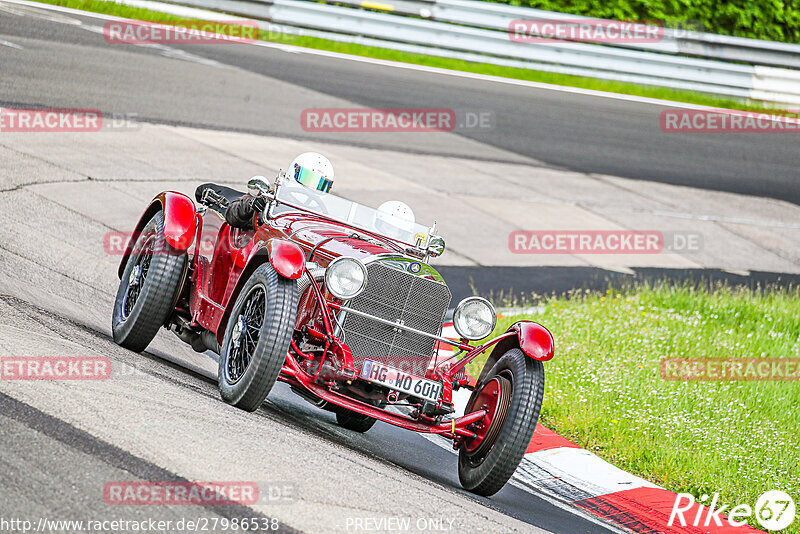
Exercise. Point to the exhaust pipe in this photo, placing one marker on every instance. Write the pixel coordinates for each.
(200, 341)
(210, 341)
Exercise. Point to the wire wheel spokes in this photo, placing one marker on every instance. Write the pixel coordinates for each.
(246, 332)
(137, 277)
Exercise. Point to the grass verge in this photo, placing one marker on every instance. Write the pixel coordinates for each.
(605, 392)
(120, 10)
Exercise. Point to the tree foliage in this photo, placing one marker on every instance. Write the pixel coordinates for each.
(775, 20)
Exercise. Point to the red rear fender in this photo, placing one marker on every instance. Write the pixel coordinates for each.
(180, 219)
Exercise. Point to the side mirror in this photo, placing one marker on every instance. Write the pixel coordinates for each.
(436, 246)
(258, 186)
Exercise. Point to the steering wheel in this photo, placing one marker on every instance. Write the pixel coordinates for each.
(300, 197)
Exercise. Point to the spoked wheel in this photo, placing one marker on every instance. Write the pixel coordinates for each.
(246, 332)
(511, 394)
(148, 287)
(257, 338)
(136, 279)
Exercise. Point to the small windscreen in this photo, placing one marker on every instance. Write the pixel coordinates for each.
(354, 214)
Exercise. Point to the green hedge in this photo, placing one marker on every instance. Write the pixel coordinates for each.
(774, 20)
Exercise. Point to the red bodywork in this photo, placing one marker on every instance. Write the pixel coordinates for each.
(217, 272)
(180, 222)
(287, 258)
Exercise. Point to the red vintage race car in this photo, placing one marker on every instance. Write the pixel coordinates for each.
(337, 300)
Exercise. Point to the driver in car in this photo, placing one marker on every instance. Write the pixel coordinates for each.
(310, 169)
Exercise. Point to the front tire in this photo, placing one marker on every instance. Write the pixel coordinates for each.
(517, 382)
(257, 338)
(148, 288)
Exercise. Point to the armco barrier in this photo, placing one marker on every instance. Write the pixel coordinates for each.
(495, 16)
(442, 28)
(675, 41)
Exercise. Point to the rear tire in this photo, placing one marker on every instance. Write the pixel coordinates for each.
(148, 288)
(488, 467)
(353, 421)
(257, 338)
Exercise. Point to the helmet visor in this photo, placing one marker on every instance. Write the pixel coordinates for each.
(312, 179)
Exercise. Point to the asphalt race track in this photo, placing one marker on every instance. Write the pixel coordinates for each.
(577, 132)
(223, 112)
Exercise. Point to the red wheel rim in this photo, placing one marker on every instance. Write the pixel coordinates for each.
(494, 397)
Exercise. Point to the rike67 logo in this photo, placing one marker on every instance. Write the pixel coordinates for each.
(774, 511)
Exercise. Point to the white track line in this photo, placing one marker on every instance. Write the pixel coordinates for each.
(569, 466)
(520, 483)
(10, 44)
(585, 470)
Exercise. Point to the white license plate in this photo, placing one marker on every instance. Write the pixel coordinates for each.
(399, 381)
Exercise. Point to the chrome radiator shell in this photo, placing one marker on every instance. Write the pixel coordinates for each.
(396, 293)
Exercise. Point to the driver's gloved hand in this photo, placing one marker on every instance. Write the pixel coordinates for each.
(242, 210)
(258, 204)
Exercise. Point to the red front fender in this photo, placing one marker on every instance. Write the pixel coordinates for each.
(180, 222)
(532, 338)
(286, 257)
(535, 340)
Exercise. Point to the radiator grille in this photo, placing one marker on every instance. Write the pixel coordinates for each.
(396, 295)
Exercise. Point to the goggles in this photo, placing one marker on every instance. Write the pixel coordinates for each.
(312, 179)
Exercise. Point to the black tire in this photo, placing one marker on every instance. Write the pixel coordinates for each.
(353, 421)
(145, 300)
(486, 472)
(249, 365)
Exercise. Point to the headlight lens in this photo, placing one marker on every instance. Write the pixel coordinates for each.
(345, 277)
(474, 318)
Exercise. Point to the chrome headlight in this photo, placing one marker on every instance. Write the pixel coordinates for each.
(474, 318)
(345, 277)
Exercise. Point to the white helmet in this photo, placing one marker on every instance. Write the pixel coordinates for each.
(393, 218)
(312, 170)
